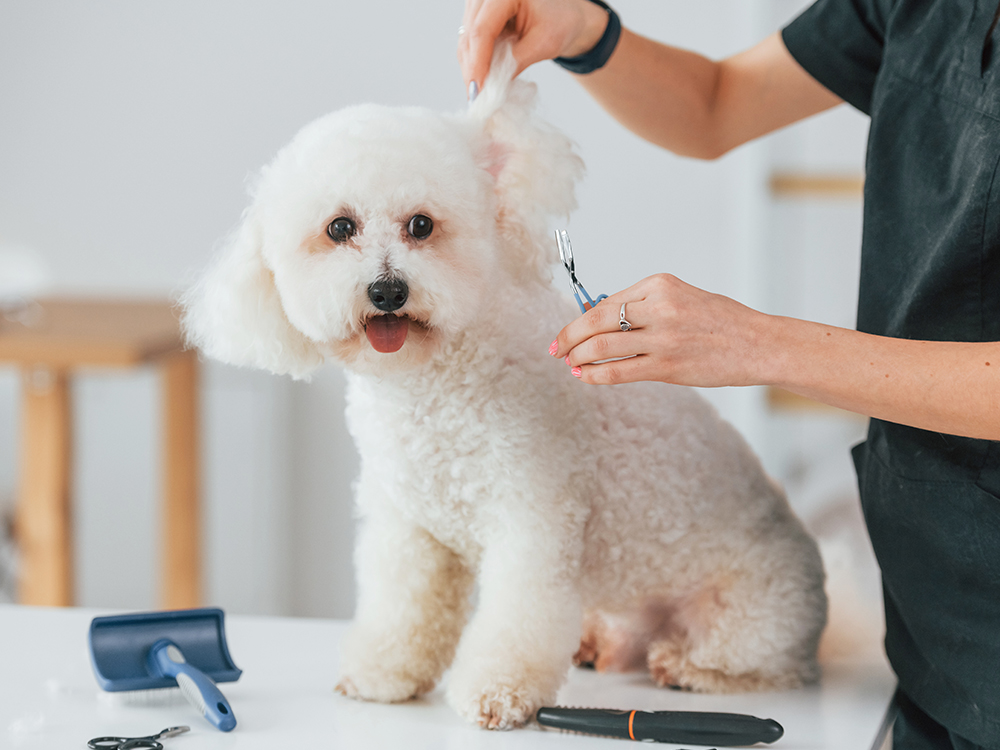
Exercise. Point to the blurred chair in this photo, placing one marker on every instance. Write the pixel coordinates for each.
(49, 339)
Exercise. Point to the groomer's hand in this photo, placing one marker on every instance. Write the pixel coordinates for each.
(542, 30)
(680, 334)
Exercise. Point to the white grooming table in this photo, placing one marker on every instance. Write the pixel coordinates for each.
(49, 699)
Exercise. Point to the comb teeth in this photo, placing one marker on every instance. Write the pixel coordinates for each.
(577, 733)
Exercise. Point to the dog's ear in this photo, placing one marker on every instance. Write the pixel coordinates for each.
(234, 314)
(535, 167)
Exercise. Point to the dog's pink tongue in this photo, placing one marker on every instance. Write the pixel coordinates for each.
(386, 333)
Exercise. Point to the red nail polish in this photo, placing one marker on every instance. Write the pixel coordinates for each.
(553, 348)
(577, 372)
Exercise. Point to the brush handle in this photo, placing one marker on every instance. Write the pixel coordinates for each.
(199, 689)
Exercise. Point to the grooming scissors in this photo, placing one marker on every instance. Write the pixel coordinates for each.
(135, 743)
(566, 256)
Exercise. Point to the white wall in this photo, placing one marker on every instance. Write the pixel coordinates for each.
(127, 132)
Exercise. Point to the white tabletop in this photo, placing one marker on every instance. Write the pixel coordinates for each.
(49, 698)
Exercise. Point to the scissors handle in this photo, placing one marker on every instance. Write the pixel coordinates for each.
(135, 743)
(124, 743)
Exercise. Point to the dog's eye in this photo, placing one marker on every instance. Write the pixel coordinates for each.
(341, 230)
(420, 226)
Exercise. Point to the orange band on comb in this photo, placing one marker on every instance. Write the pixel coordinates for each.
(631, 716)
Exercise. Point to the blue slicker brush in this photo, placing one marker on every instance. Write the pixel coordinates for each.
(153, 650)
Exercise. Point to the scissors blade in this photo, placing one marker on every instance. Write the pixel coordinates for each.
(566, 253)
(566, 256)
(171, 732)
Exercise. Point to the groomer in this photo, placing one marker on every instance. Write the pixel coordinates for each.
(924, 363)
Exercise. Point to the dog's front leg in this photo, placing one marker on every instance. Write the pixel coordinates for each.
(413, 601)
(516, 652)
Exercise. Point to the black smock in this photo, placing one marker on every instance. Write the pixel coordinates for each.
(925, 72)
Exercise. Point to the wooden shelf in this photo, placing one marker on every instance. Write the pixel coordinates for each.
(780, 400)
(806, 185)
(90, 332)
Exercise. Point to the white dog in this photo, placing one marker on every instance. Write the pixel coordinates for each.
(411, 248)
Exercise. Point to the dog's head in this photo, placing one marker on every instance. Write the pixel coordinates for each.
(378, 233)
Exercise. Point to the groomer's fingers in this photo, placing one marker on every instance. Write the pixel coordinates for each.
(482, 28)
(603, 318)
(468, 15)
(542, 30)
(681, 334)
(611, 345)
(607, 339)
(631, 370)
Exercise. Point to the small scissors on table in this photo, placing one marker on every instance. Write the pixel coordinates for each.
(135, 743)
(566, 256)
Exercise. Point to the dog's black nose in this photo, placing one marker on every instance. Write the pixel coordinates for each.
(388, 295)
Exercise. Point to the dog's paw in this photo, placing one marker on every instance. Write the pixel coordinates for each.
(587, 654)
(670, 666)
(499, 707)
(666, 664)
(502, 699)
(382, 686)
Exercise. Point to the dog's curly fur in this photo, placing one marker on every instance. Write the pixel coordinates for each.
(627, 524)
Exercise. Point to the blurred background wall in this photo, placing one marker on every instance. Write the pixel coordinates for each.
(127, 133)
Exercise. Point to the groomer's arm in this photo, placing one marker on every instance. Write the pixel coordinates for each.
(674, 98)
(696, 107)
(685, 335)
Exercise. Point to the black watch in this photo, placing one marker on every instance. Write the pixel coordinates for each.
(594, 59)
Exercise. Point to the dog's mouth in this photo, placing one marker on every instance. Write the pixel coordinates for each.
(387, 333)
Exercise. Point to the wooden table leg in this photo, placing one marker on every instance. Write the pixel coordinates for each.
(181, 551)
(44, 517)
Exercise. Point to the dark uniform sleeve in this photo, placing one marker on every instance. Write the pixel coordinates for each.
(839, 43)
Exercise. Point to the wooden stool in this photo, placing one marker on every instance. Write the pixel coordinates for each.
(48, 342)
